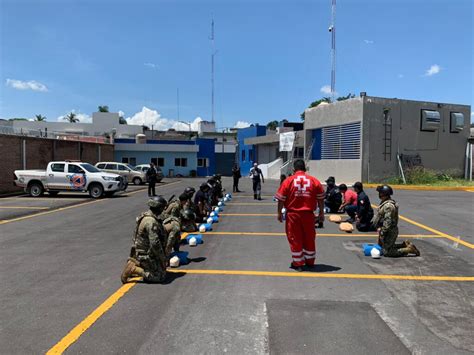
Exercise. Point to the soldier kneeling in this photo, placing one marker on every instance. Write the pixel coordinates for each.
(386, 222)
(147, 256)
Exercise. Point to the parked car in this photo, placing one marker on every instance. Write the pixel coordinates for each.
(69, 176)
(144, 168)
(125, 170)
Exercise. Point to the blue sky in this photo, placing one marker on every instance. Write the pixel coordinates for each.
(273, 57)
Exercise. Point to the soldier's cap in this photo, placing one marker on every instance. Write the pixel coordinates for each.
(331, 179)
(204, 186)
(385, 190)
(157, 202)
(183, 197)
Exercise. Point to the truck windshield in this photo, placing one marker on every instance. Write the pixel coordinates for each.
(90, 168)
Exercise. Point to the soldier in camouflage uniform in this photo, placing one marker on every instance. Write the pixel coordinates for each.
(386, 222)
(147, 256)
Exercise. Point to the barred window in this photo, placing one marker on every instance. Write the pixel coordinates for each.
(341, 142)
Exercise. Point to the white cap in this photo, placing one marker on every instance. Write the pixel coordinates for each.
(375, 253)
(192, 241)
(174, 261)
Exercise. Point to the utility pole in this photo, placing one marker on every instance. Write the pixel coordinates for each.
(213, 53)
(332, 29)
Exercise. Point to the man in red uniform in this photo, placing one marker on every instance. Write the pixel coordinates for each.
(300, 194)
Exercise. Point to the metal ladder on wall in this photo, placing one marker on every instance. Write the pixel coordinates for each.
(387, 151)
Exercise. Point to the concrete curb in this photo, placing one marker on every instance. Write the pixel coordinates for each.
(425, 187)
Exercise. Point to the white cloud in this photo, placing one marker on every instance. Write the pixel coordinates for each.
(121, 113)
(83, 118)
(151, 65)
(434, 69)
(242, 124)
(368, 41)
(149, 117)
(326, 89)
(26, 85)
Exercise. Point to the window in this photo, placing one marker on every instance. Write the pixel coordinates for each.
(161, 162)
(90, 168)
(341, 142)
(74, 169)
(456, 122)
(181, 162)
(299, 152)
(122, 168)
(111, 166)
(430, 120)
(251, 155)
(101, 166)
(59, 168)
(203, 162)
(124, 160)
(243, 155)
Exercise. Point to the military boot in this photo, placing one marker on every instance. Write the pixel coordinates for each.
(412, 249)
(131, 270)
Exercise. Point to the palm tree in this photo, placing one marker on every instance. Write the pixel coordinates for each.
(71, 118)
(40, 118)
(122, 120)
(103, 108)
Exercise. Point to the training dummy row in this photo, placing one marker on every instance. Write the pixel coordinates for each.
(158, 231)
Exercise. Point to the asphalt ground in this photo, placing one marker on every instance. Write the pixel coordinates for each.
(61, 287)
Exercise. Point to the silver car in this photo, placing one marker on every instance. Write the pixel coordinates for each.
(125, 170)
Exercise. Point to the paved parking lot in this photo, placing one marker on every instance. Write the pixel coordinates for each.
(63, 291)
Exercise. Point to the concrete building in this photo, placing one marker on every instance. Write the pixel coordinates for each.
(103, 123)
(368, 138)
(247, 152)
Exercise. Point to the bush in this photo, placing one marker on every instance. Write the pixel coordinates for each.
(421, 176)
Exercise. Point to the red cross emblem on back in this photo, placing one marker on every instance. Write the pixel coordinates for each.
(302, 183)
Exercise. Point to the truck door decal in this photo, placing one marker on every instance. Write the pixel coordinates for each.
(77, 181)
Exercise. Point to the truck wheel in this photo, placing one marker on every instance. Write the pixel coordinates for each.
(96, 191)
(137, 181)
(35, 189)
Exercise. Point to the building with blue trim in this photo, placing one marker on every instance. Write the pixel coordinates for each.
(247, 153)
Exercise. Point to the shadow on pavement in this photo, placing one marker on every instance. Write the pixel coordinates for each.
(323, 268)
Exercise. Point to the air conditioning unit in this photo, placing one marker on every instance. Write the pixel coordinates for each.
(430, 120)
(456, 122)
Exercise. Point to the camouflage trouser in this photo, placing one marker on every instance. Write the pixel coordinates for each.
(154, 271)
(389, 246)
(173, 228)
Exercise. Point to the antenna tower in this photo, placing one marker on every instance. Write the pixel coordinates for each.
(213, 53)
(332, 29)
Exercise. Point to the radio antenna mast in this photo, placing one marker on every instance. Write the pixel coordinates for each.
(213, 53)
(332, 29)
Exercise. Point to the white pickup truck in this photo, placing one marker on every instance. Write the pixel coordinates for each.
(69, 176)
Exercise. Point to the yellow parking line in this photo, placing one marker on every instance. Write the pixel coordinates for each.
(317, 275)
(435, 231)
(346, 235)
(24, 207)
(253, 203)
(82, 327)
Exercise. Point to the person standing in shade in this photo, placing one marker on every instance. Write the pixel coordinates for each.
(151, 178)
(333, 199)
(236, 176)
(301, 194)
(257, 180)
(364, 212)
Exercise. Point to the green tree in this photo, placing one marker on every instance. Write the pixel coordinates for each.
(328, 100)
(40, 118)
(18, 119)
(122, 120)
(104, 108)
(71, 118)
(272, 125)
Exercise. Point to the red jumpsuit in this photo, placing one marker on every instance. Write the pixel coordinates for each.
(300, 193)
